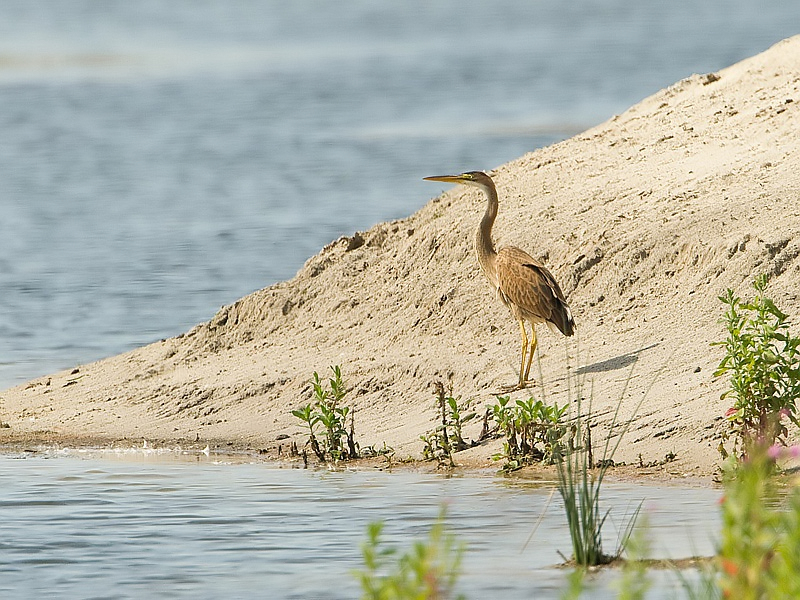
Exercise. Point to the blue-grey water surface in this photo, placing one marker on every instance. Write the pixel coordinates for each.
(172, 526)
(159, 159)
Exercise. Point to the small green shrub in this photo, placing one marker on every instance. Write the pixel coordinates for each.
(763, 361)
(429, 570)
(533, 431)
(759, 553)
(327, 410)
(447, 437)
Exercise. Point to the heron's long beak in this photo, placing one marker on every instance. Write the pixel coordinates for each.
(446, 178)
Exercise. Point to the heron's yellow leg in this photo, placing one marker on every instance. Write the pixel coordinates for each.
(532, 350)
(524, 350)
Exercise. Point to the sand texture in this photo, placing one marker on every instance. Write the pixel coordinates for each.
(644, 220)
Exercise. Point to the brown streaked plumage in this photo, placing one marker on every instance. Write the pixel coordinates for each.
(522, 283)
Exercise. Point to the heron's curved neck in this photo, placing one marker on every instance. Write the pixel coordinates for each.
(484, 246)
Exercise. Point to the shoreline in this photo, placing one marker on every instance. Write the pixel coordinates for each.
(237, 453)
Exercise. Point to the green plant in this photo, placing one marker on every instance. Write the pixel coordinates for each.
(634, 583)
(456, 416)
(428, 571)
(763, 361)
(310, 418)
(634, 580)
(372, 451)
(580, 480)
(533, 431)
(759, 553)
(327, 410)
(706, 586)
(575, 585)
(580, 491)
(447, 437)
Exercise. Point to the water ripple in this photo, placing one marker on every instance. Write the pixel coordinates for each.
(78, 527)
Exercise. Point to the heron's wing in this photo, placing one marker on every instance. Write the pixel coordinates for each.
(527, 286)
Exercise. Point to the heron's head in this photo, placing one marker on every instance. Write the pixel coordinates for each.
(474, 178)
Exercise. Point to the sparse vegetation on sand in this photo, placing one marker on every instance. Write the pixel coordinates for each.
(532, 430)
(447, 438)
(758, 552)
(337, 440)
(763, 361)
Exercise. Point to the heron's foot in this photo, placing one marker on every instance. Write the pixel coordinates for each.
(507, 389)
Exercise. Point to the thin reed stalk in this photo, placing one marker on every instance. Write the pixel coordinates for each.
(580, 480)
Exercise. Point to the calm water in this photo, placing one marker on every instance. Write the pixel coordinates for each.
(171, 526)
(159, 159)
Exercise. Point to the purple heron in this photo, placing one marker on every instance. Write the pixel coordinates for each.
(521, 282)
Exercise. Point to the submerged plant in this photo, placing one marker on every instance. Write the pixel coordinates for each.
(763, 361)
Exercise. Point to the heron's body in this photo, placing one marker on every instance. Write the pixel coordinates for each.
(521, 282)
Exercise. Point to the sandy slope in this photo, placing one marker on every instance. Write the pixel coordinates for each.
(644, 219)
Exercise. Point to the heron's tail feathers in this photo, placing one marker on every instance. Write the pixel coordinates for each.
(562, 321)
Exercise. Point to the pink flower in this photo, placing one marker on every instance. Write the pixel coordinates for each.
(784, 413)
(777, 451)
(731, 411)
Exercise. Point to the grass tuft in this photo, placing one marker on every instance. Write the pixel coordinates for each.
(580, 480)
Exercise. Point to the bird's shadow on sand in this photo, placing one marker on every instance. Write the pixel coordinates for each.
(612, 364)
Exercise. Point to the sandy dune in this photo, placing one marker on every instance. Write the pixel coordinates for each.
(644, 219)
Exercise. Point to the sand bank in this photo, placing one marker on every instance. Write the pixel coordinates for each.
(644, 219)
